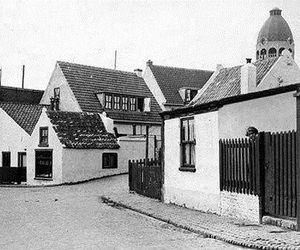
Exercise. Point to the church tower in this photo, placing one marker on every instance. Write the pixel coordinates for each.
(274, 37)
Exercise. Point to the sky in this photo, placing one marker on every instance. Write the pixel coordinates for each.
(191, 34)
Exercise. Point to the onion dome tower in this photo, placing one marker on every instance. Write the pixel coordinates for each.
(274, 37)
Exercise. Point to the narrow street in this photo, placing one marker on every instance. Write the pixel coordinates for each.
(73, 217)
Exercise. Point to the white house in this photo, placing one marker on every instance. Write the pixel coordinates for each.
(68, 147)
(174, 87)
(259, 95)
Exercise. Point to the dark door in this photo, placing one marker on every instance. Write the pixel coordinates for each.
(6, 159)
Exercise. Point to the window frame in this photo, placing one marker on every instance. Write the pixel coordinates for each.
(132, 105)
(116, 102)
(56, 92)
(190, 143)
(41, 142)
(110, 154)
(108, 101)
(50, 177)
(124, 103)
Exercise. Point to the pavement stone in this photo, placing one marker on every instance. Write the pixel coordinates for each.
(237, 232)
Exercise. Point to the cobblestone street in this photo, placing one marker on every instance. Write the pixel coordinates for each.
(73, 217)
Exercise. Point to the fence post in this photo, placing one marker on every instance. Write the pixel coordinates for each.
(297, 95)
(130, 175)
(221, 164)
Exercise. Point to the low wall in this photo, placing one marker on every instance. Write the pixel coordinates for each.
(240, 206)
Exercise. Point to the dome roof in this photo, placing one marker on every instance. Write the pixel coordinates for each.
(275, 28)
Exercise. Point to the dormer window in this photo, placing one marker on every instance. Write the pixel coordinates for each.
(116, 102)
(125, 103)
(108, 101)
(140, 104)
(132, 104)
(190, 94)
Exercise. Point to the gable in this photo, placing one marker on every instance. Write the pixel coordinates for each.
(87, 81)
(172, 79)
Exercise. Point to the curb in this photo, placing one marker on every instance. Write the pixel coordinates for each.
(205, 232)
(57, 185)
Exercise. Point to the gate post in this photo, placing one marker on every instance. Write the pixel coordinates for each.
(297, 95)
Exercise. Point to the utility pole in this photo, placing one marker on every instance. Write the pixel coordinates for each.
(23, 75)
(115, 65)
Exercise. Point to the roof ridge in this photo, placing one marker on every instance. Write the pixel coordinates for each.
(96, 67)
(24, 104)
(172, 67)
(18, 88)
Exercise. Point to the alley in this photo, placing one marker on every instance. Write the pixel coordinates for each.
(73, 217)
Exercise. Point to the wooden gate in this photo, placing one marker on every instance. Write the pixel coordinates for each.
(280, 174)
(145, 179)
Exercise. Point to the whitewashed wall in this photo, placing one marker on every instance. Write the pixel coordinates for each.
(198, 190)
(273, 113)
(86, 164)
(68, 101)
(12, 138)
(54, 144)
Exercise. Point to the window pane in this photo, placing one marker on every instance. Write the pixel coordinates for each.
(186, 154)
(191, 130)
(184, 130)
(192, 154)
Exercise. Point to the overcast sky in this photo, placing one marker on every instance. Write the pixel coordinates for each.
(190, 34)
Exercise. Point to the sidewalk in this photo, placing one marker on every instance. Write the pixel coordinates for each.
(233, 231)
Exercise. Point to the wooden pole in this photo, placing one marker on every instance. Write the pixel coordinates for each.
(23, 76)
(115, 64)
(297, 95)
(147, 144)
(162, 157)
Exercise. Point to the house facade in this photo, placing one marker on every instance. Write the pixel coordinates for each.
(259, 95)
(124, 96)
(68, 147)
(174, 87)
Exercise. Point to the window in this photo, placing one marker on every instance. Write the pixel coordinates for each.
(132, 104)
(43, 137)
(140, 104)
(190, 94)
(21, 159)
(43, 163)
(187, 143)
(125, 103)
(57, 93)
(5, 159)
(116, 102)
(109, 160)
(108, 101)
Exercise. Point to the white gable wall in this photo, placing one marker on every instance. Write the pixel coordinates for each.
(152, 84)
(54, 144)
(284, 72)
(13, 138)
(68, 101)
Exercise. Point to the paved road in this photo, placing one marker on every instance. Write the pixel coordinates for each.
(73, 217)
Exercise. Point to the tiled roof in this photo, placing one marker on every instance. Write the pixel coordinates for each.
(228, 82)
(171, 79)
(19, 95)
(82, 130)
(25, 115)
(86, 81)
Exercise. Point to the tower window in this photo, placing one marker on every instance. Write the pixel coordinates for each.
(257, 55)
(280, 51)
(263, 54)
(272, 52)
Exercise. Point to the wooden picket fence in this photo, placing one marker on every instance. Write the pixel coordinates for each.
(263, 166)
(145, 177)
(239, 165)
(12, 174)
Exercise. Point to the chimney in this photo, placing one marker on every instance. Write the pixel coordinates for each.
(138, 72)
(149, 63)
(219, 67)
(248, 77)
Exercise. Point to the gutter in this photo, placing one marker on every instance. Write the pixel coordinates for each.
(215, 105)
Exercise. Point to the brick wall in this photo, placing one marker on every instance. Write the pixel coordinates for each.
(241, 206)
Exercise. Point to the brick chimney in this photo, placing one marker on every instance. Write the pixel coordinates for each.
(149, 63)
(248, 77)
